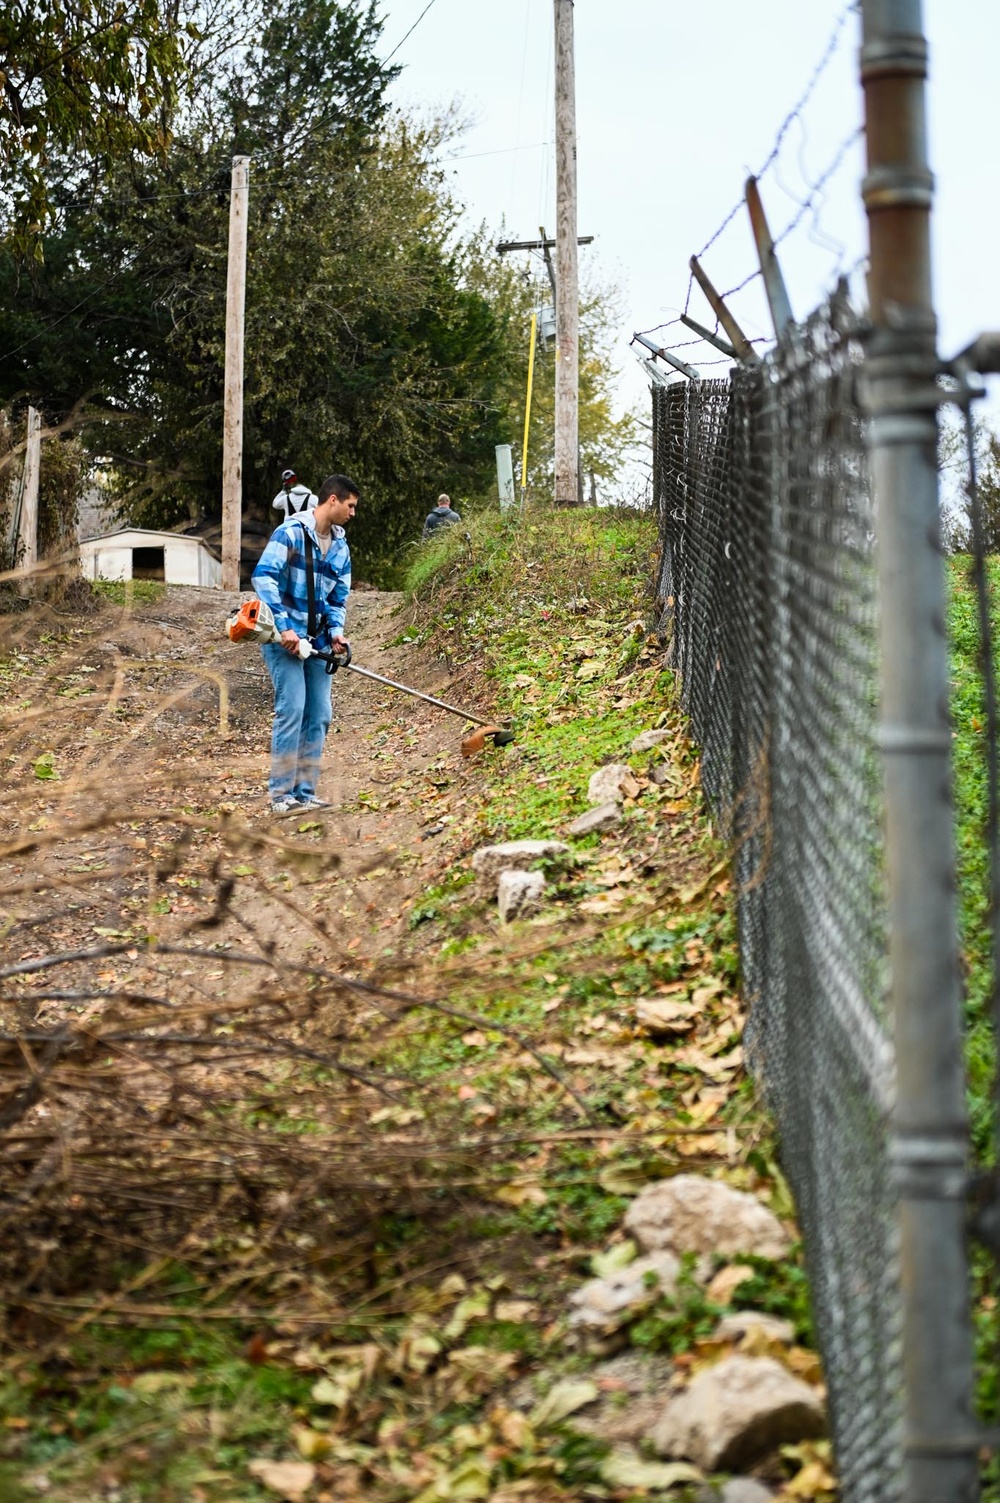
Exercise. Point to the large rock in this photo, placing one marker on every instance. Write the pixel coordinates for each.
(737, 1411)
(601, 818)
(692, 1214)
(519, 894)
(605, 785)
(646, 740)
(513, 855)
(604, 1305)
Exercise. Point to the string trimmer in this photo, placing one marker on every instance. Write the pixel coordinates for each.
(254, 622)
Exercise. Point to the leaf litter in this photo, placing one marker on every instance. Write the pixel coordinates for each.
(275, 1138)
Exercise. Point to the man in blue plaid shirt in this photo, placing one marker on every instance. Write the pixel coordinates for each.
(309, 544)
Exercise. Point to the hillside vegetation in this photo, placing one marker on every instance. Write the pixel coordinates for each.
(399, 1134)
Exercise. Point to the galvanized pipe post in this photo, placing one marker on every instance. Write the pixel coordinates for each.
(929, 1128)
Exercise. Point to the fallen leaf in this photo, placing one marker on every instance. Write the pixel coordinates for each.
(474, 1307)
(477, 1369)
(313, 1445)
(725, 1283)
(528, 1194)
(514, 1309)
(336, 1389)
(605, 902)
(622, 1179)
(471, 1480)
(513, 1427)
(665, 1015)
(291, 1480)
(564, 1398)
(626, 1469)
(803, 1362)
(619, 1256)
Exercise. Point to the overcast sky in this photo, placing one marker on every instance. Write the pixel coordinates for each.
(676, 103)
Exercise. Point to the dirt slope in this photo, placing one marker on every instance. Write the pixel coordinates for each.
(116, 725)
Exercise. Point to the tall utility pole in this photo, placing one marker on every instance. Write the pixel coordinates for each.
(28, 524)
(232, 421)
(929, 1134)
(567, 436)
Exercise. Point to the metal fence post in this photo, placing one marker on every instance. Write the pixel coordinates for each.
(929, 1128)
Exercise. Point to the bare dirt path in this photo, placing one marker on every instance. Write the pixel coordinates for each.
(134, 801)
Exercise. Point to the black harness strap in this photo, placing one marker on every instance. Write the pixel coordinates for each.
(310, 582)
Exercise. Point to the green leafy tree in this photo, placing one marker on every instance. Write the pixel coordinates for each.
(609, 441)
(378, 341)
(95, 78)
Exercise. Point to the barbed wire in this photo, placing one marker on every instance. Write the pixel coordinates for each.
(794, 114)
(833, 42)
(815, 195)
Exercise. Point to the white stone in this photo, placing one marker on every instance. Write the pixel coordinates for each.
(734, 1327)
(513, 855)
(646, 740)
(737, 1411)
(605, 785)
(608, 1303)
(601, 818)
(745, 1490)
(519, 894)
(692, 1214)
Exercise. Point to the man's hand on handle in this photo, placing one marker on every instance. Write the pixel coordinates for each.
(290, 641)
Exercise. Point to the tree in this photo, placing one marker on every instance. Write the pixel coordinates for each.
(954, 464)
(608, 443)
(96, 78)
(378, 341)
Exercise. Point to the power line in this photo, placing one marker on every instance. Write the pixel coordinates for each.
(412, 29)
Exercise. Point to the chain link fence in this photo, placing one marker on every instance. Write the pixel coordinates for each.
(767, 586)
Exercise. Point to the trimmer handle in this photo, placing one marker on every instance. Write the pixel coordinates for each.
(335, 660)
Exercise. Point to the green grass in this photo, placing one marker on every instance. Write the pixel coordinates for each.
(971, 804)
(129, 591)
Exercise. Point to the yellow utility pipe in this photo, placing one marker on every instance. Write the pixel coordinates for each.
(527, 407)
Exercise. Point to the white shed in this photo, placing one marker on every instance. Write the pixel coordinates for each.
(140, 553)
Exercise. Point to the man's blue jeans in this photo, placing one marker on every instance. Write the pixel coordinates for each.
(302, 717)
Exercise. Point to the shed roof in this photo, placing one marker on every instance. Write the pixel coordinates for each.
(121, 533)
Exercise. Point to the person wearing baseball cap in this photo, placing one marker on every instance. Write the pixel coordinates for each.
(294, 497)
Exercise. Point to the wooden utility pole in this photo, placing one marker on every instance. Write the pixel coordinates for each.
(232, 422)
(28, 525)
(567, 455)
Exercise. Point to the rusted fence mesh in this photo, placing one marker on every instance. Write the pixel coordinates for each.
(767, 590)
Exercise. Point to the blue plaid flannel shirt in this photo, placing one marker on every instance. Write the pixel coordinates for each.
(280, 579)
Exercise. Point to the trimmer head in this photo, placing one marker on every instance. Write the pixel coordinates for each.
(498, 734)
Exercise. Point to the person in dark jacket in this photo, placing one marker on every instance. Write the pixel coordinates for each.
(441, 516)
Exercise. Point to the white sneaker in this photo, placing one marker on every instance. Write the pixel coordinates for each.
(285, 805)
(310, 801)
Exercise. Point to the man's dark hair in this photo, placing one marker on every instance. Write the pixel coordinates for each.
(340, 486)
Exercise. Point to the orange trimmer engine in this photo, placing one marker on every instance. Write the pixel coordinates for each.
(252, 621)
